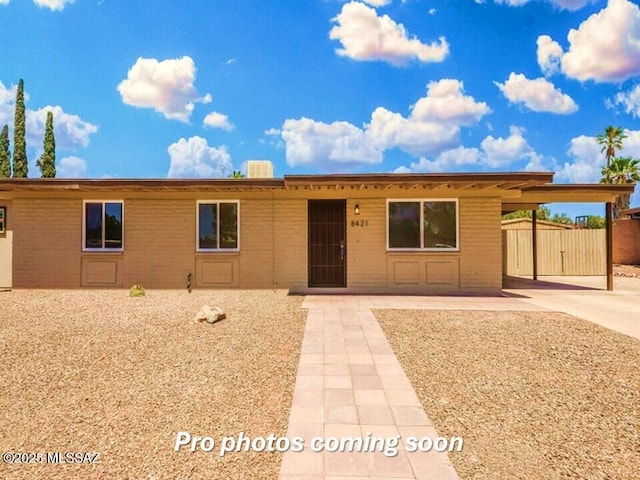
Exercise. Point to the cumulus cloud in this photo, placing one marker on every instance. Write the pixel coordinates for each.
(588, 159)
(195, 158)
(549, 55)
(606, 46)
(71, 167)
(218, 120)
(389, 130)
(460, 158)
(166, 86)
(446, 102)
(501, 152)
(538, 94)
(366, 36)
(4, 2)
(432, 126)
(563, 4)
(494, 153)
(377, 3)
(308, 141)
(70, 130)
(630, 101)
(52, 4)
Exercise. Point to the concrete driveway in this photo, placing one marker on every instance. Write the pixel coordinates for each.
(584, 297)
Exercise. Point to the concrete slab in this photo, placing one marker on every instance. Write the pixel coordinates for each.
(585, 297)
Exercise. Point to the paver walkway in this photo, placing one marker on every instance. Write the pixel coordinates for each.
(351, 385)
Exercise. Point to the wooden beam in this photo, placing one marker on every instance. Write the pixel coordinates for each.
(534, 238)
(609, 235)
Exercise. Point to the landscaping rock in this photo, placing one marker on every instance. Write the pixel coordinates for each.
(210, 315)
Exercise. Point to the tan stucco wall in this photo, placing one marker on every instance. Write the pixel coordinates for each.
(159, 245)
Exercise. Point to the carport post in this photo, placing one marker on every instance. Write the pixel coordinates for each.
(534, 248)
(609, 235)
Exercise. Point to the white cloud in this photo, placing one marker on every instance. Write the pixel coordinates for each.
(377, 3)
(606, 46)
(563, 4)
(366, 36)
(166, 86)
(630, 101)
(501, 152)
(70, 130)
(460, 158)
(432, 11)
(4, 2)
(389, 130)
(446, 102)
(308, 141)
(512, 3)
(218, 120)
(433, 126)
(538, 94)
(52, 4)
(588, 158)
(494, 153)
(195, 158)
(549, 55)
(71, 167)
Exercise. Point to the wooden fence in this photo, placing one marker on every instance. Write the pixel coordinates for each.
(560, 252)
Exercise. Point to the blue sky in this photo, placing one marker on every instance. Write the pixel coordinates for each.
(195, 89)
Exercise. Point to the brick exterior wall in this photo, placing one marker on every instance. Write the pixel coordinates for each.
(160, 237)
(626, 241)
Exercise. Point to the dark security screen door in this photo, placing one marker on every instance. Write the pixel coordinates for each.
(327, 243)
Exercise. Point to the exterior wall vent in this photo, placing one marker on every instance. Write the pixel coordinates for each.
(259, 169)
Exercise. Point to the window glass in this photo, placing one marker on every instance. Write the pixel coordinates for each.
(113, 225)
(93, 225)
(207, 223)
(404, 224)
(228, 225)
(439, 219)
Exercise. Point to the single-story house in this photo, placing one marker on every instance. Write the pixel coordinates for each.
(395, 233)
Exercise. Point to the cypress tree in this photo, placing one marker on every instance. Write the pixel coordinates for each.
(20, 166)
(47, 161)
(5, 154)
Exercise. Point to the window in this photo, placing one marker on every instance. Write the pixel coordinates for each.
(3, 218)
(103, 226)
(217, 225)
(422, 224)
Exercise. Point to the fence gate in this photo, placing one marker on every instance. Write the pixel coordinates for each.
(560, 252)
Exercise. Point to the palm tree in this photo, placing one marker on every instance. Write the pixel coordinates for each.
(236, 174)
(621, 170)
(611, 141)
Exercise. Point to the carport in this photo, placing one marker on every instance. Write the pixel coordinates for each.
(532, 197)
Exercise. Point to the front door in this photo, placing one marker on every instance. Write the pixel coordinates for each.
(327, 243)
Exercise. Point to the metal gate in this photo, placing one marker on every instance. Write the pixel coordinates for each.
(327, 243)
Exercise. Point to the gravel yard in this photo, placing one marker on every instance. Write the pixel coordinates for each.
(95, 370)
(534, 395)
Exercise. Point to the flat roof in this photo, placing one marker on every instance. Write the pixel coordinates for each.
(500, 180)
(528, 188)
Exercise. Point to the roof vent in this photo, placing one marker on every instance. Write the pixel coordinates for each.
(259, 169)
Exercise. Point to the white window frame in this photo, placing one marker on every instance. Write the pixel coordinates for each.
(217, 202)
(421, 201)
(84, 226)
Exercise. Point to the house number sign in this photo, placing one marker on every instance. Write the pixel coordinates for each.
(359, 223)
